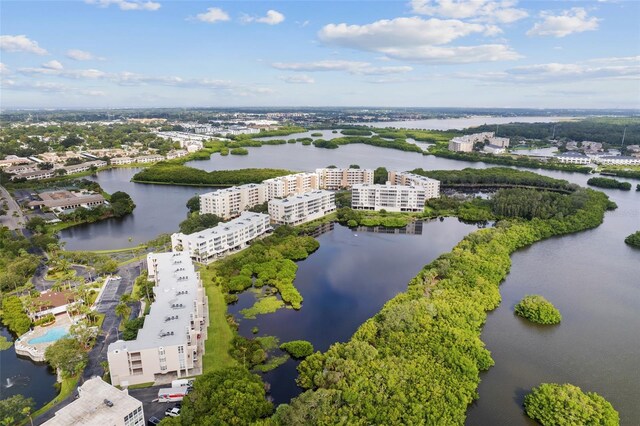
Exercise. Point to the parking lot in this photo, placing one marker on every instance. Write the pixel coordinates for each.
(146, 396)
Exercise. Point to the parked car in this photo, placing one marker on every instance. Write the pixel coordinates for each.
(153, 421)
(172, 412)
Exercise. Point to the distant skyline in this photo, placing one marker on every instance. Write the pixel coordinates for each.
(420, 53)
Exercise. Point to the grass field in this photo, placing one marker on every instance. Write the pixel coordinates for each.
(219, 337)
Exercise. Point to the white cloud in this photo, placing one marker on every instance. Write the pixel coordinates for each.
(352, 67)
(53, 65)
(273, 17)
(418, 39)
(298, 79)
(213, 15)
(127, 4)
(615, 68)
(81, 55)
(413, 31)
(574, 20)
(20, 43)
(476, 10)
(4, 69)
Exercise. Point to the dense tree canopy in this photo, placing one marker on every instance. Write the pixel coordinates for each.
(14, 408)
(232, 396)
(14, 316)
(537, 309)
(68, 355)
(566, 405)
(609, 183)
(298, 348)
(633, 240)
(199, 222)
(183, 175)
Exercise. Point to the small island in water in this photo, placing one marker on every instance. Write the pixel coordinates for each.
(537, 309)
(558, 405)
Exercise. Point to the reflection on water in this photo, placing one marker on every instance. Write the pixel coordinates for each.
(345, 282)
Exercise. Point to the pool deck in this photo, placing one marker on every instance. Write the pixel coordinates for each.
(35, 351)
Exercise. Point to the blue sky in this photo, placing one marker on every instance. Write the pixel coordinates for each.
(425, 53)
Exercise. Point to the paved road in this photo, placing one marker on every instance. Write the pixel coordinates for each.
(41, 271)
(9, 220)
(151, 408)
(108, 333)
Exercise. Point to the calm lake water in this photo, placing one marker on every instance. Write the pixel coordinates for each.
(345, 282)
(592, 277)
(23, 376)
(463, 122)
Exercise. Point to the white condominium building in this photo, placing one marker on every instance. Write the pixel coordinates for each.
(172, 338)
(302, 208)
(619, 160)
(99, 403)
(297, 183)
(460, 145)
(230, 202)
(431, 186)
(465, 143)
(213, 243)
(572, 157)
(335, 178)
(393, 198)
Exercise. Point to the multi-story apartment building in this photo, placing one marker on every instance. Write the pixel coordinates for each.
(118, 161)
(393, 198)
(297, 183)
(83, 167)
(230, 202)
(177, 154)
(99, 403)
(334, 178)
(302, 208)
(431, 186)
(172, 338)
(37, 175)
(461, 145)
(213, 243)
(153, 158)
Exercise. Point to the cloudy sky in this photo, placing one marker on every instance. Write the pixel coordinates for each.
(430, 53)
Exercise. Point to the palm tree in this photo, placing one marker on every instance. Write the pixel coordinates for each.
(122, 310)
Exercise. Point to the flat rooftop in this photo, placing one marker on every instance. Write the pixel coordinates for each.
(307, 196)
(89, 409)
(246, 218)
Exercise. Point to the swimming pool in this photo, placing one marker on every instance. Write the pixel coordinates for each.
(50, 336)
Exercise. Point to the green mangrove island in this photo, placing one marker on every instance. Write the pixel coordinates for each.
(566, 405)
(537, 309)
(609, 183)
(178, 174)
(633, 240)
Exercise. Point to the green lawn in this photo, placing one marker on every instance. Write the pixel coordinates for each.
(62, 276)
(219, 333)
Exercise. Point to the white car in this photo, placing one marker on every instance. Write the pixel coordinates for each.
(172, 412)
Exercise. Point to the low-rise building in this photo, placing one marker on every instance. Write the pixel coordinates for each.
(13, 160)
(498, 142)
(393, 198)
(37, 175)
(494, 149)
(431, 186)
(297, 183)
(573, 158)
(99, 403)
(302, 208)
(334, 178)
(177, 154)
(223, 239)
(172, 338)
(22, 168)
(83, 167)
(154, 158)
(64, 200)
(230, 202)
(119, 161)
(53, 302)
(618, 160)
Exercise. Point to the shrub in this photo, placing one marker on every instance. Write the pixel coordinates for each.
(537, 309)
(633, 240)
(298, 348)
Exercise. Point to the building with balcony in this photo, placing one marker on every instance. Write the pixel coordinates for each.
(573, 158)
(99, 403)
(297, 183)
(302, 208)
(392, 198)
(223, 239)
(431, 186)
(334, 178)
(172, 338)
(230, 202)
(618, 160)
